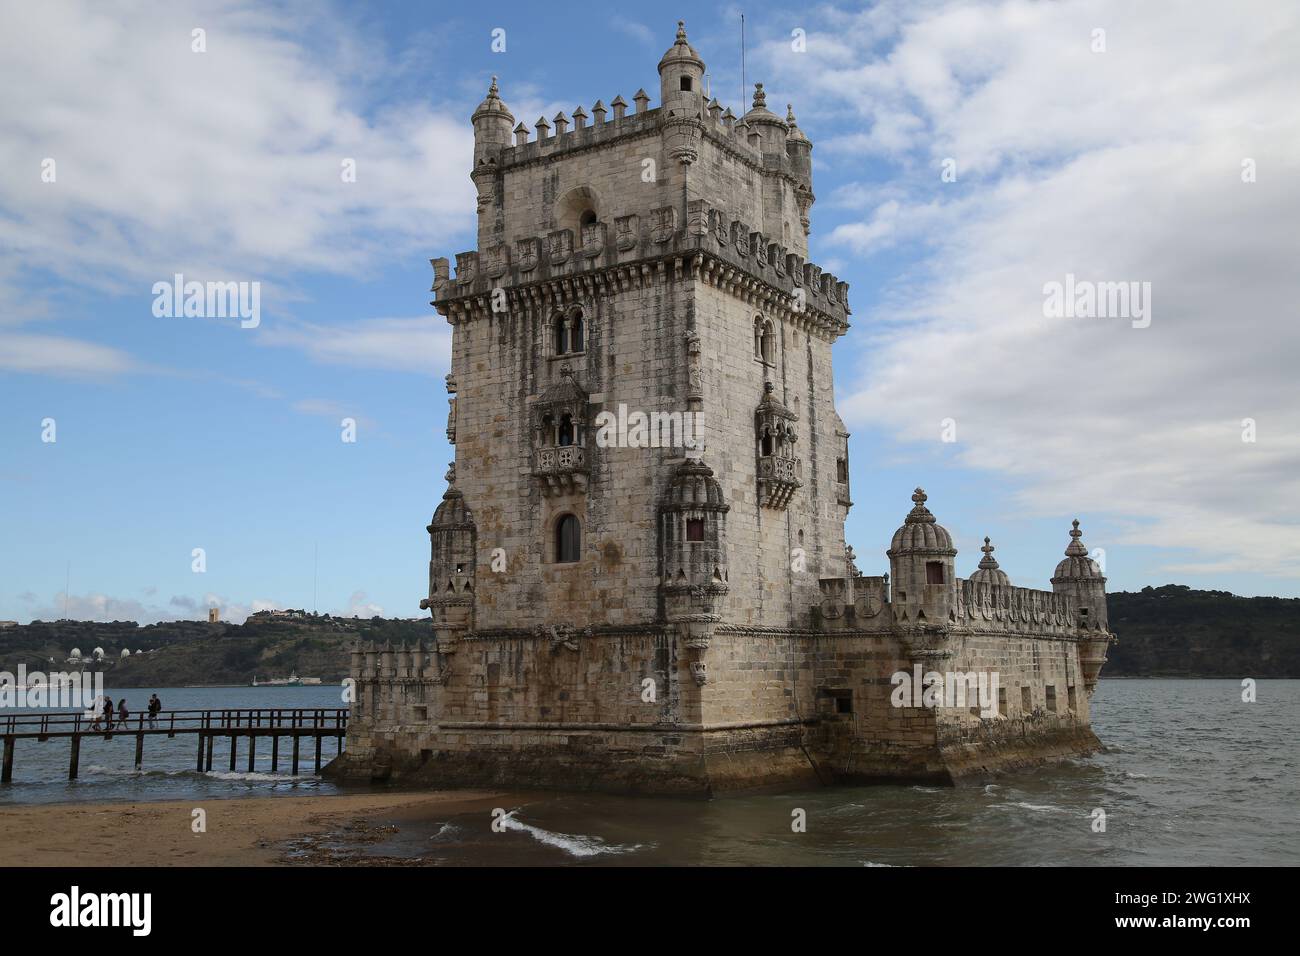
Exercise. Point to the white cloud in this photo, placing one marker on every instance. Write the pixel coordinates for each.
(1122, 165)
(61, 355)
(421, 345)
(218, 165)
(358, 606)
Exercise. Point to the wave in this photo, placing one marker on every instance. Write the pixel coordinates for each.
(577, 845)
(1035, 807)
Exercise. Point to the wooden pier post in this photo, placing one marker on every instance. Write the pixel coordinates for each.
(318, 739)
(212, 745)
(233, 747)
(295, 753)
(7, 768)
(275, 752)
(139, 750)
(252, 750)
(198, 767)
(75, 758)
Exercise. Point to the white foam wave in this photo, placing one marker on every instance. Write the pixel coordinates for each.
(578, 845)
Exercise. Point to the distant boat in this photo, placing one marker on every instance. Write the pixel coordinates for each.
(293, 680)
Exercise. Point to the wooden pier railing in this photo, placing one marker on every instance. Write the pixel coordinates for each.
(206, 725)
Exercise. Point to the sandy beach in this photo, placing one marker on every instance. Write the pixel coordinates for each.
(241, 831)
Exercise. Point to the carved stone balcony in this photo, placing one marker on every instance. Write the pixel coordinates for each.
(561, 469)
(778, 480)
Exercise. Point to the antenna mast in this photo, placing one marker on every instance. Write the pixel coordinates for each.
(742, 64)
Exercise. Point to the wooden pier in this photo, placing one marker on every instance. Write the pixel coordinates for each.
(314, 724)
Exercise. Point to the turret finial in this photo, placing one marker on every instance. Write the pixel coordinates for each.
(919, 512)
(681, 31)
(760, 98)
(1075, 547)
(988, 562)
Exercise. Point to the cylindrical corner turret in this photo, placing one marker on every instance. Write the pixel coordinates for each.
(799, 148)
(493, 126)
(921, 565)
(493, 133)
(693, 551)
(681, 78)
(1080, 576)
(452, 541)
(771, 129)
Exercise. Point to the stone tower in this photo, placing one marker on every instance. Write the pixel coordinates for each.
(638, 576)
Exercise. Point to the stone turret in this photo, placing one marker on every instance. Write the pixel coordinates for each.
(452, 538)
(681, 78)
(493, 133)
(1080, 576)
(771, 128)
(988, 571)
(921, 566)
(693, 552)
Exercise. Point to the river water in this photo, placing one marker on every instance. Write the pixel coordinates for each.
(1191, 776)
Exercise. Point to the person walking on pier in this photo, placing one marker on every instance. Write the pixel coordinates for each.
(96, 713)
(122, 713)
(155, 707)
(108, 713)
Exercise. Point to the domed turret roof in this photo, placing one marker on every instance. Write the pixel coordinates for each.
(694, 488)
(452, 513)
(492, 105)
(920, 532)
(795, 133)
(759, 113)
(564, 391)
(989, 572)
(681, 51)
(1077, 566)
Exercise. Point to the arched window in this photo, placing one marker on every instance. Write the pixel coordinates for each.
(588, 218)
(568, 434)
(576, 336)
(561, 336)
(758, 338)
(568, 540)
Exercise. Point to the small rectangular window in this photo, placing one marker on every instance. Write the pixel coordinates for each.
(1026, 700)
(1051, 698)
(694, 529)
(934, 572)
(686, 84)
(1002, 701)
(1072, 697)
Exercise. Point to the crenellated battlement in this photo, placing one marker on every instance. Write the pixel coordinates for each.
(552, 138)
(726, 252)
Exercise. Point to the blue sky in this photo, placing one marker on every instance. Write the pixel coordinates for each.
(183, 433)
